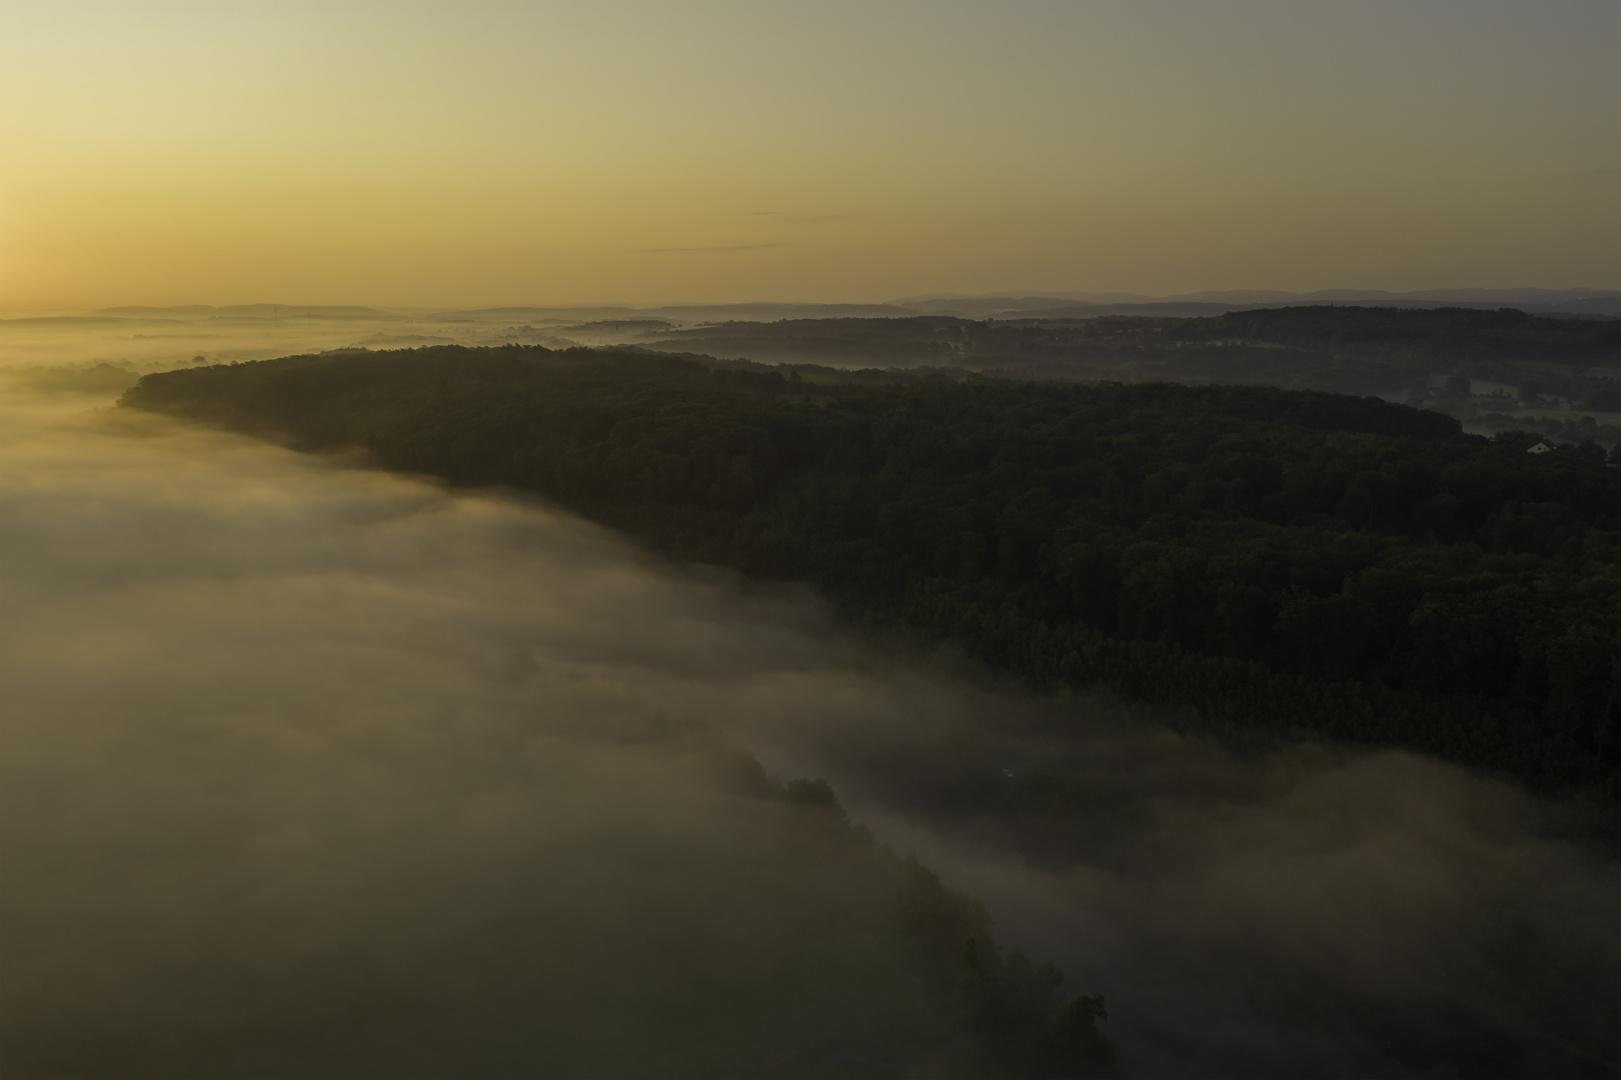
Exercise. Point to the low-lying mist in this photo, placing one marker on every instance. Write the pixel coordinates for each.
(312, 770)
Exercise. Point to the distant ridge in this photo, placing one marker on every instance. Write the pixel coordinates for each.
(1579, 303)
(752, 312)
(82, 321)
(1268, 296)
(1599, 303)
(255, 311)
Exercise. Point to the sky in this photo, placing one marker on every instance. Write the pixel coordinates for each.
(495, 153)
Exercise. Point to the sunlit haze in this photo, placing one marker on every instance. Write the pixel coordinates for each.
(762, 539)
(437, 154)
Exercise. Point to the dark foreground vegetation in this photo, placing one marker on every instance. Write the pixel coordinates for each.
(1264, 561)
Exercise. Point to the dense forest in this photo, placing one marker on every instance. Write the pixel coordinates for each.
(1352, 349)
(1262, 561)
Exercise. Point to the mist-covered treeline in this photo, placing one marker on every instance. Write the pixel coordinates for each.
(312, 769)
(319, 772)
(1263, 559)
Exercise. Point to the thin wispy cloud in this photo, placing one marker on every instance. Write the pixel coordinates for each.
(723, 249)
(799, 217)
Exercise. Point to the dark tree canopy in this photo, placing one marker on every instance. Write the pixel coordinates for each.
(1262, 559)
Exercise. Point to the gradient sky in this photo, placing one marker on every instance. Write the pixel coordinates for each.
(403, 154)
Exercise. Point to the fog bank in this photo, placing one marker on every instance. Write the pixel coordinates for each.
(305, 762)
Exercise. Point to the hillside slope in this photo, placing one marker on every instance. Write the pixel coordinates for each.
(1265, 560)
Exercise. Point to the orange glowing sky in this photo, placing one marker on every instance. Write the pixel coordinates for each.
(421, 154)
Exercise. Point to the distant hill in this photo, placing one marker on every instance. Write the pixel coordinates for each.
(1570, 302)
(80, 322)
(1578, 303)
(1389, 350)
(684, 313)
(992, 306)
(537, 314)
(1167, 309)
(254, 311)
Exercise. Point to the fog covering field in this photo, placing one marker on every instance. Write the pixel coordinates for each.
(312, 770)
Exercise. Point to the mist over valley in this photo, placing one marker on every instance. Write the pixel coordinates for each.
(969, 540)
(316, 770)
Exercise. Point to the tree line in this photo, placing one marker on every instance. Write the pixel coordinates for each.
(1261, 560)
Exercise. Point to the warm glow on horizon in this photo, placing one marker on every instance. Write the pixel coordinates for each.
(395, 154)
